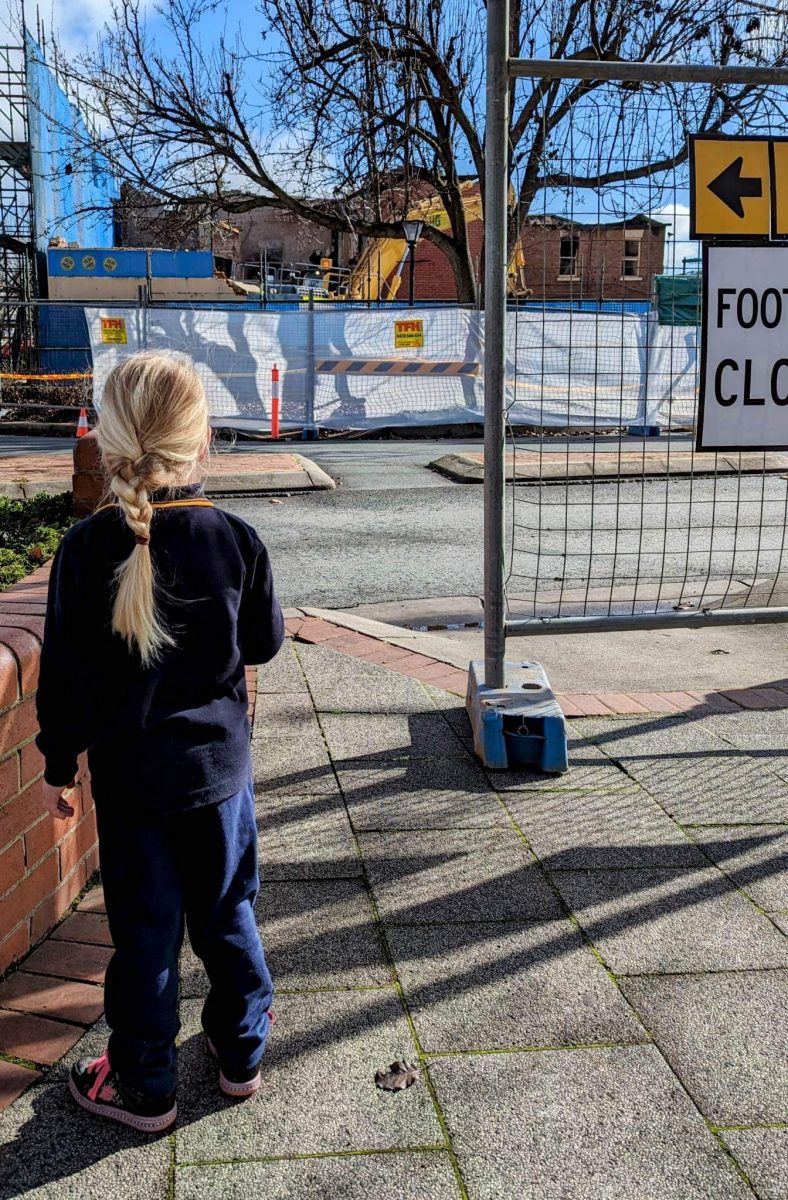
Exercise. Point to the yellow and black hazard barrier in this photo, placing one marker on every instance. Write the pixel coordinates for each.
(394, 366)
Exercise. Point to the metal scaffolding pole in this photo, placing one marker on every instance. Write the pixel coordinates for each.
(495, 238)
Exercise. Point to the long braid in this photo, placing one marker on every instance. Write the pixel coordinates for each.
(152, 428)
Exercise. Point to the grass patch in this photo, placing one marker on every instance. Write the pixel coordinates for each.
(30, 533)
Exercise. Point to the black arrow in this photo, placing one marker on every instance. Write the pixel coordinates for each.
(730, 187)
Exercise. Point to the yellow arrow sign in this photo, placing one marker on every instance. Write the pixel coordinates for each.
(730, 187)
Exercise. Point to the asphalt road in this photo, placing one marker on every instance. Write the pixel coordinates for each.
(392, 530)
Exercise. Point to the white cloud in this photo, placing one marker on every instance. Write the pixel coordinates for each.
(74, 23)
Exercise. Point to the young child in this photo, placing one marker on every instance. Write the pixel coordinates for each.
(156, 604)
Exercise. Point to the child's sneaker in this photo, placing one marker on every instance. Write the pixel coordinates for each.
(239, 1085)
(96, 1087)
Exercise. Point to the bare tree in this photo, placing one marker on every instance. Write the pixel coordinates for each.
(356, 110)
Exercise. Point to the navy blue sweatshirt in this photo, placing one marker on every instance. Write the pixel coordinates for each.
(173, 735)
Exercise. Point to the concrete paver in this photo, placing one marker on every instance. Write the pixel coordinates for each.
(316, 933)
(414, 792)
(724, 1036)
(282, 674)
(589, 768)
(343, 685)
(306, 837)
(755, 857)
(452, 875)
(319, 1093)
(389, 736)
(482, 986)
(354, 1177)
(763, 1154)
(292, 765)
(50, 1152)
(321, 933)
(285, 714)
(583, 830)
(691, 771)
(595, 1124)
(664, 920)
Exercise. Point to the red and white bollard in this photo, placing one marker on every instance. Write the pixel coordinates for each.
(275, 402)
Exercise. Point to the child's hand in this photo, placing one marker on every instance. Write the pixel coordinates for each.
(56, 800)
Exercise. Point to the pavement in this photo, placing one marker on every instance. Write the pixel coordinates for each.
(23, 472)
(537, 463)
(589, 971)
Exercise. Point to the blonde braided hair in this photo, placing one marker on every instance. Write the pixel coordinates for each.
(152, 431)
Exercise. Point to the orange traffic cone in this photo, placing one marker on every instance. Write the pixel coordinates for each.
(82, 423)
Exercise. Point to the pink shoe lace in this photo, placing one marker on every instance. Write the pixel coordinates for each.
(100, 1068)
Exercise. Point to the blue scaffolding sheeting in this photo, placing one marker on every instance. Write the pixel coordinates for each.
(73, 186)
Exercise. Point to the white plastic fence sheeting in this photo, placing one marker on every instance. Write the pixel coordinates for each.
(578, 369)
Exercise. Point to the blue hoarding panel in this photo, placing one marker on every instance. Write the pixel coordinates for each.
(92, 262)
(97, 262)
(181, 264)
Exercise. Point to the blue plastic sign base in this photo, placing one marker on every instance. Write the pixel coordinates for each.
(520, 724)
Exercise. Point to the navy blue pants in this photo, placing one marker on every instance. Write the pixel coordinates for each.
(198, 867)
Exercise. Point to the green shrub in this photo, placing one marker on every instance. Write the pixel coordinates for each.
(30, 533)
(13, 567)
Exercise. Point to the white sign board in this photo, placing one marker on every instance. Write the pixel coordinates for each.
(744, 364)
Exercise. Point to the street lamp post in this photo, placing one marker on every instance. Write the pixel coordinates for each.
(411, 231)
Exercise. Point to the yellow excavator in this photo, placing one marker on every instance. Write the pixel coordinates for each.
(378, 273)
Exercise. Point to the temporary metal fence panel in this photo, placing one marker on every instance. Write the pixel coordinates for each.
(563, 369)
(607, 526)
(320, 354)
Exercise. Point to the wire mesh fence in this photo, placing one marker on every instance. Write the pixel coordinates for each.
(612, 512)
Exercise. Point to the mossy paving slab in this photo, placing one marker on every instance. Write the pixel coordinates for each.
(597, 1124)
(498, 986)
(419, 793)
(379, 736)
(316, 933)
(451, 875)
(283, 673)
(52, 1150)
(763, 1155)
(318, 1093)
(724, 1035)
(346, 685)
(652, 921)
(321, 933)
(292, 766)
(755, 857)
(602, 830)
(305, 837)
(696, 776)
(410, 1176)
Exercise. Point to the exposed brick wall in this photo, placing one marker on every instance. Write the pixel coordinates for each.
(600, 252)
(44, 863)
(434, 276)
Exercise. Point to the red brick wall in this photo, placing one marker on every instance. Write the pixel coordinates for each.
(434, 276)
(600, 253)
(44, 863)
(599, 263)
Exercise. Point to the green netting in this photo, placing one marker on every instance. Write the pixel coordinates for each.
(678, 299)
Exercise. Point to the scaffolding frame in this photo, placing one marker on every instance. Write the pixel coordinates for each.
(17, 213)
